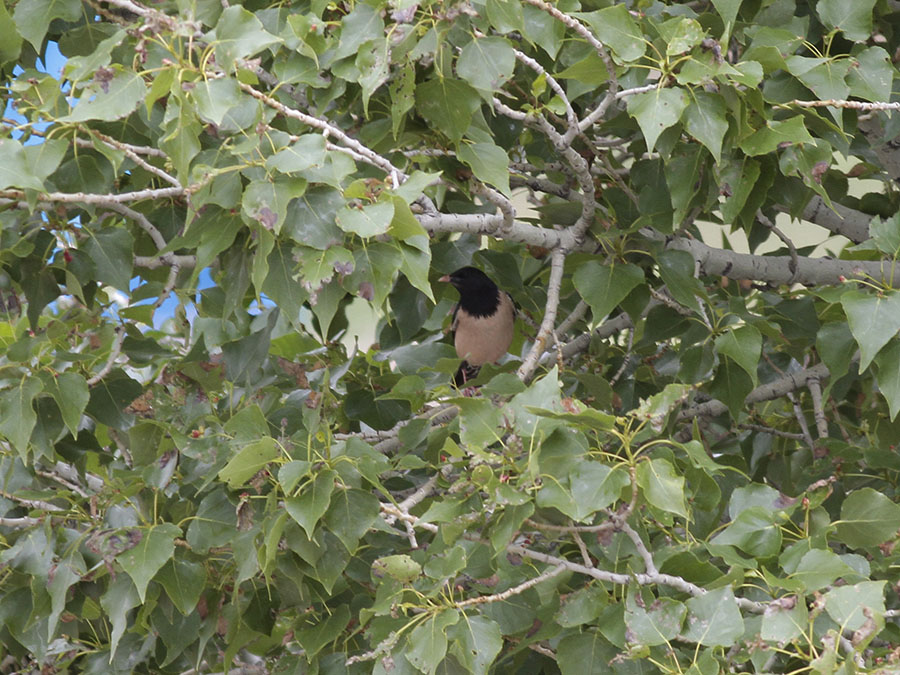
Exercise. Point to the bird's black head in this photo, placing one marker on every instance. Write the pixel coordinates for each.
(478, 295)
(469, 278)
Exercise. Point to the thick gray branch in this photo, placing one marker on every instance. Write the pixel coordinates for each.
(765, 392)
(839, 219)
(777, 269)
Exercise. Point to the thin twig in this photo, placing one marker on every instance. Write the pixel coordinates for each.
(770, 430)
(815, 391)
(795, 259)
(579, 28)
(20, 523)
(327, 129)
(841, 103)
(801, 420)
(574, 317)
(626, 360)
(31, 503)
(101, 199)
(515, 590)
(585, 554)
(526, 370)
(113, 355)
(134, 157)
(502, 202)
(571, 118)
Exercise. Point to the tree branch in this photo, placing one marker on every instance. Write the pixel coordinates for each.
(777, 269)
(526, 370)
(765, 392)
(111, 361)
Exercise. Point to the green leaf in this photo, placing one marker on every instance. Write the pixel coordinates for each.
(291, 472)
(874, 319)
(595, 486)
(785, 619)
(731, 385)
(661, 486)
(310, 218)
(428, 640)
(853, 18)
(754, 531)
(488, 162)
(281, 286)
(585, 654)
(110, 397)
(372, 61)
(109, 100)
(888, 362)
(154, 550)
(400, 567)
(402, 89)
(505, 15)
(70, 391)
(480, 422)
(868, 518)
(184, 581)
(239, 34)
(714, 619)
(17, 416)
(367, 221)
(323, 631)
(705, 120)
(737, 179)
(362, 24)
(826, 80)
(351, 514)
(655, 624)
(677, 271)
(66, 573)
(11, 46)
(845, 604)
(872, 75)
(14, 169)
(681, 35)
(582, 606)
(727, 9)
(214, 98)
(447, 105)
(111, 251)
(835, 344)
(617, 30)
(766, 140)
(819, 568)
(318, 268)
(603, 287)
(886, 234)
(120, 597)
(476, 642)
(313, 501)
(542, 29)
(415, 262)
(33, 17)
(657, 110)
(743, 344)
(486, 63)
(266, 202)
(215, 523)
(78, 68)
(248, 461)
(44, 158)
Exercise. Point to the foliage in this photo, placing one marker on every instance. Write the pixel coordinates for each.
(687, 465)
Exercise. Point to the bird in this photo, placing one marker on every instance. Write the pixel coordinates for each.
(483, 321)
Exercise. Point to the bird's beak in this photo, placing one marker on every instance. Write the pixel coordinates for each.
(445, 278)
